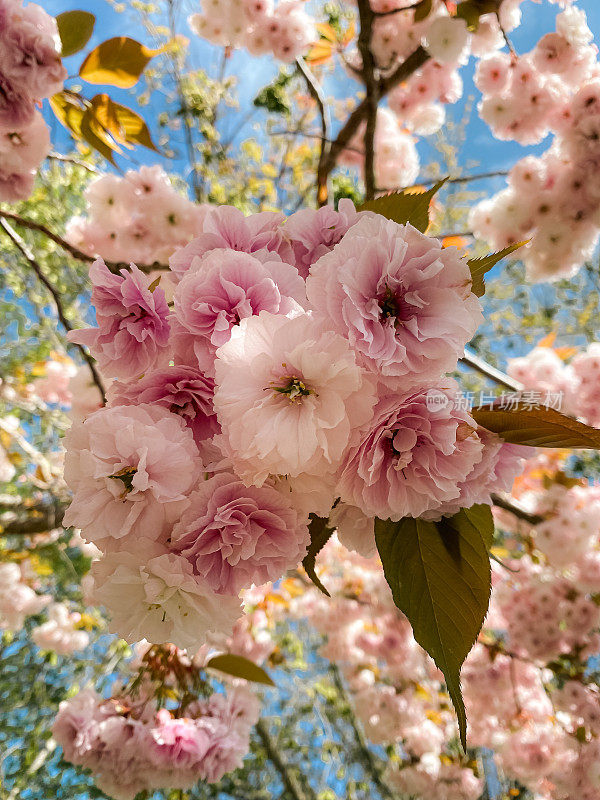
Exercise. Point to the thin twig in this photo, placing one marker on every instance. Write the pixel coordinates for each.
(481, 366)
(79, 255)
(39, 519)
(72, 160)
(316, 92)
(55, 294)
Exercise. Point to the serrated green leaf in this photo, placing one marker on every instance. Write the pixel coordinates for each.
(479, 266)
(405, 206)
(240, 667)
(440, 577)
(536, 426)
(75, 29)
(320, 533)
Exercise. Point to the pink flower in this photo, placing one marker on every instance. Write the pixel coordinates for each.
(182, 390)
(226, 228)
(313, 233)
(225, 288)
(412, 457)
(16, 109)
(178, 743)
(130, 469)
(25, 148)
(133, 332)
(403, 302)
(29, 52)
(16, 186)
(289, 397)
(235, 536)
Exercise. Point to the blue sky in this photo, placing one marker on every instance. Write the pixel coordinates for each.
(253, 73)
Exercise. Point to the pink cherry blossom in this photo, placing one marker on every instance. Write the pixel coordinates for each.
(133, 332)
(235, 536)
(289, 397)
(404, 303)
(411, 458)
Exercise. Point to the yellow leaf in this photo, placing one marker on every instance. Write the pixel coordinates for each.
(548, 340)
(68, 111)
(565, 352)
(326, 31)
(454, 241)
(349, 35)
(320, 52)
(118, 62)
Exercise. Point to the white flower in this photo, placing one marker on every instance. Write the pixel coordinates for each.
(447, 39)
(161, 600)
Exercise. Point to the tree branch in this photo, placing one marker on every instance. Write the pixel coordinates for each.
(516, 511)
(316, 92)
(290, 781)
(38, 519)
(481, 366)
(371, 84)
(113, 266)
(30, 258)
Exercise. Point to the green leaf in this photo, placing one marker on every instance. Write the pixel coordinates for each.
(118, 62)
(75, 29)
(479, 266)
(240, 667)
(320, 533)
(471, 10)
(440, 577)
(405, 206)
(423, 10)
(535, 425)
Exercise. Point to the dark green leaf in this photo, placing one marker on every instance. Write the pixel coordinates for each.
(423, 10)
(240, 667)
(75, 29)
(408, 205)
(535, 425)
(440, 577)
(479, 266)
(320, 533)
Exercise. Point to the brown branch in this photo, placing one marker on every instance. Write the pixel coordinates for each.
(316, 92)
(113, 266)
(369, 78)
(39, 519)
(516, 511)
(414, 62)
(31, 260)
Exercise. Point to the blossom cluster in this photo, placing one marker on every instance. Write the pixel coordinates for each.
(294, 367)
(60, 633)
(284, 29)
(18, 598)
(529, 687)
(30, 70)
(135, 217)
(131, 745)
(551, 199)
(544, 370)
